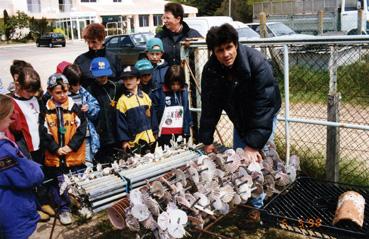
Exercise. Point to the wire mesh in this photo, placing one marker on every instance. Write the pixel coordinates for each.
(316, 71)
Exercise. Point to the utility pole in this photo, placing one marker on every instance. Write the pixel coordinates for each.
(229, 7)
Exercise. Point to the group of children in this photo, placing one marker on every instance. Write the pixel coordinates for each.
(44, 136)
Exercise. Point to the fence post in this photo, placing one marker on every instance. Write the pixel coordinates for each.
(333, 133)
(263, 30)
(359, 21)
(321, 22)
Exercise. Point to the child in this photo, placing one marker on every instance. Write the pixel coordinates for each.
(171, 107)
(15, 70)
(63, 137)
(154, 52)
(89, 106)
(134, 119)
(26, 128)
(106, 93)
(18, 177)
(145, 69)
(26, 112)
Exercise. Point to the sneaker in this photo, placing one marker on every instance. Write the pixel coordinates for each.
(43, 216)
(65, 218)
(48, 210)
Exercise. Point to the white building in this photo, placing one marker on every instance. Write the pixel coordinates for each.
(73, 15)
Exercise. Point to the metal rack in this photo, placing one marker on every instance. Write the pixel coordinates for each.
(308, 207)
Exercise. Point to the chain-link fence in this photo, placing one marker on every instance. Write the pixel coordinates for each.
(327, 121)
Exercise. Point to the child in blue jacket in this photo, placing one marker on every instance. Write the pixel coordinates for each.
(18, 176)
(171, 106)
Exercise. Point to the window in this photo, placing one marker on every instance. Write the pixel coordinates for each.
(126, 42)
(144, 20)
(117, 0)
(157, 20)
(113, 43)
(34, 6)
(88, 0)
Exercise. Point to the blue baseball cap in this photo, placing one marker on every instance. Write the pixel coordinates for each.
(154, 45)
(100, 66)
(144, 67)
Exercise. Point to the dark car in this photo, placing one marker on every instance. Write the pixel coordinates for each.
(51, 39)
(129, 47)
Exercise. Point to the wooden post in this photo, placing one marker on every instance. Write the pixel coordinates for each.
(333, 133)
(321, 22)
(359, 21)
(263, 29)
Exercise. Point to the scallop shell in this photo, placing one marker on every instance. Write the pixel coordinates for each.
(176, 231)
(140, 211)
(157, 189)
(196, 221)
(201, 159)
(135, 197)
(181, 177)
(151, 204)
(182, 201)
(236, 199)
(132, 223)
(227, 193)
(150, 223)
(232, 163)
(163, 220)
(255, 167)
(229, 152)
(194, 175)
(203, 200)
(282, 179)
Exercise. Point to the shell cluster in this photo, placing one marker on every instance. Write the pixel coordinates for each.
(204, 189)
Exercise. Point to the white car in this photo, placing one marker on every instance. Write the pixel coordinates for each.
(279, 30)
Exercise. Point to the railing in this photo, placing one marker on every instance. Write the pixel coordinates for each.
(325, 113)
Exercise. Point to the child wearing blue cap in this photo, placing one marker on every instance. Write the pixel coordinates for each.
(135, 119)
(145, 69)
(154, 53)
(107, 94)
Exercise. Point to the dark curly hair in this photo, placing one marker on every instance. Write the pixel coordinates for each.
(223, 34)
(94, 31)
(29, 79)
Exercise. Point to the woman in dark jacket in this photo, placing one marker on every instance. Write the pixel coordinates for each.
(94, 34)
(174, 31)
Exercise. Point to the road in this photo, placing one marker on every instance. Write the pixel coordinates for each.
(43, 59)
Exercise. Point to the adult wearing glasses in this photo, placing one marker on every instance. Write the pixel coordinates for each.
(94, 35)
(174, 31)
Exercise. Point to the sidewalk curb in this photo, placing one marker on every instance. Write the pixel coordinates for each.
(32, 43)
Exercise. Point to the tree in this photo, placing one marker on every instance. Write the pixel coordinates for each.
(6, 26)
(241, 10)
(205, 7)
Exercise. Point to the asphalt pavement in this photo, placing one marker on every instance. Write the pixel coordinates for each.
(43, 59)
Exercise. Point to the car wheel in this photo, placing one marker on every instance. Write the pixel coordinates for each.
(63, 45)
(51, 45)
(37, 44)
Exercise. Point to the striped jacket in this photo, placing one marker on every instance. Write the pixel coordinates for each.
(135, 118)
(67, 130)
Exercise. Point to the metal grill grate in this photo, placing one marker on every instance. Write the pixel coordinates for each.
(308, 206)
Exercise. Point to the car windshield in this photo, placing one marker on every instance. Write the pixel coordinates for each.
(141, 38)
(247, 32)
(279, 29)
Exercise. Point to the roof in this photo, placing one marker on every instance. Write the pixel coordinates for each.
(131, 8)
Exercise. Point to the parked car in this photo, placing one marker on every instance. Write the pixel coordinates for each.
(128, 47)
(245, 33)
(278, 30)
(203, 24)
(51, 39)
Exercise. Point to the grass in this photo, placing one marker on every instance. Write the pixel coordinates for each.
(309, 85)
